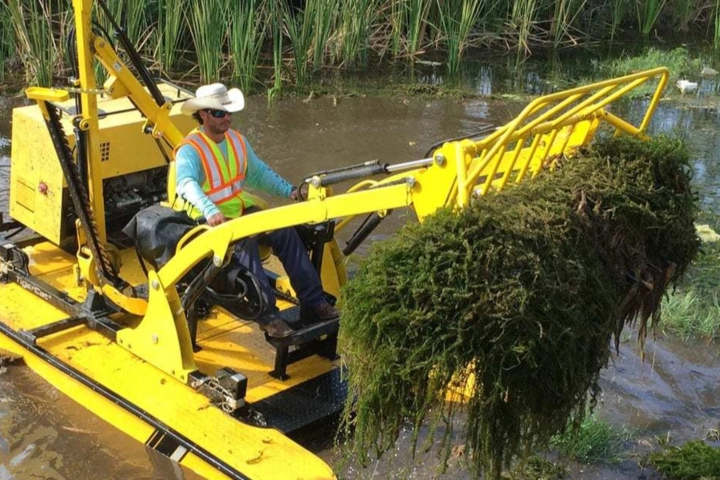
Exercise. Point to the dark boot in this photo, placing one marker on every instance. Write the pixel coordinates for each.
(275, 326)
(325, 311)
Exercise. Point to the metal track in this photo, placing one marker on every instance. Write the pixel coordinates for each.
(79, 197)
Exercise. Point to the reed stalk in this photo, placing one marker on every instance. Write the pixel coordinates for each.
(648, 12)
(716, 30)
(208, 21)
(34, 42)
(522, 18)
(131, 17)
(300, 25)
(170, 26)
(325, 15)
(354, 38)
(617, 14)
(7, 39)
(275, 12)
(416, 13)
(458, 17)
(565, 14)
(247, 33)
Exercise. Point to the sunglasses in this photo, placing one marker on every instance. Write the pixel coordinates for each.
(217, 113)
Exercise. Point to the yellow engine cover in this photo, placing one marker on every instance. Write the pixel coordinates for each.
(38, 196)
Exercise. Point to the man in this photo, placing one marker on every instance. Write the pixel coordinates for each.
(213, 164)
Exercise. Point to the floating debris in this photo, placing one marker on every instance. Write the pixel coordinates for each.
(686, 86)
(507, 309)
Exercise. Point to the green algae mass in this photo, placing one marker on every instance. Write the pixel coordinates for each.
(516, 301)
(693, 461)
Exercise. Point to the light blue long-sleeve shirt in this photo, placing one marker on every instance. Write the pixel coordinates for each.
(190, 175)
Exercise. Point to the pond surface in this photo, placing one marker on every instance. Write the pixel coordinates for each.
(672, 394)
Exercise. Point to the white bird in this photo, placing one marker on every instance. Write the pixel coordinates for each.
(686, 86)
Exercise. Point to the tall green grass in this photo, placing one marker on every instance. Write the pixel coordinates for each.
(300, 27)
(353, 36)
(457, 18)
(208, 19)
(243, 37)
(325, 14)
(171, 31)
(564, 17)
(34, 42)
(247, 33)
(523, 20)
(716, 29)
(276, 22)
(692, 314)
(132, 17)
(648, 12)
(7, 39)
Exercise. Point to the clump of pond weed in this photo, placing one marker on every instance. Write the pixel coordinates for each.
(595, 441)
(693, 461)
(536, 468)
(505, 310)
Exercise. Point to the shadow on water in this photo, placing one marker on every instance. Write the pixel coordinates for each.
(674, 392)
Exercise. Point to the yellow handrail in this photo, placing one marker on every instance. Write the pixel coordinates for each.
(549, 126)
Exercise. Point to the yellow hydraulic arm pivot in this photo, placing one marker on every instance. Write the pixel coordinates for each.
(549, 127)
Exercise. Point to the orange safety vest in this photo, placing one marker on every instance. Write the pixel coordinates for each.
(224, 177)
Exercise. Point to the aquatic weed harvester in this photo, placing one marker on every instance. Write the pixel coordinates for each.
(187, 374)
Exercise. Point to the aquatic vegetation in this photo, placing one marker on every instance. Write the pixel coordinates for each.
(330, 33)
(594, 441)
(299, 25)
(677, 60)
(525, 288)
(536, 468)
(247, 33)
(693, 310)
(35, 45)
(457, 30)
(648, 12)
(131, 16)
(6, 39)
(692, 461)
(171, 30)
(208, 20)
(688, 314)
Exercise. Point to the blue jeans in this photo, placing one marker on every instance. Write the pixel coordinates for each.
(289, 248)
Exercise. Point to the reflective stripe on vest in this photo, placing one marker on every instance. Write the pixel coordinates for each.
(224, 178)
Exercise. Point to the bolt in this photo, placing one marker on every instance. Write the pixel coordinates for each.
(217, 261)
(440, 160)
(155, 338)
(411, 182)
(155, 284)
(43, 188)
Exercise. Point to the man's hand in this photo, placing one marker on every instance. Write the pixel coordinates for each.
(216, 219)
(295, 195)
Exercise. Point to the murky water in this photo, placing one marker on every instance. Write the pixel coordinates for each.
(674, 392)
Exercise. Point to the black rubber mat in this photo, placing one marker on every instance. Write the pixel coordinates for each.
(305, 404)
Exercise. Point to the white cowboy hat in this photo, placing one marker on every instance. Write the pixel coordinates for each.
(215, 96)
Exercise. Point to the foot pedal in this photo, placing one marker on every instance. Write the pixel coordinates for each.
(319, 338)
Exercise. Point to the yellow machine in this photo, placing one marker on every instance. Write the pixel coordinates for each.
(76, 304)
